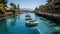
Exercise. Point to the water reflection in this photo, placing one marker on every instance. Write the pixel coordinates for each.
(13, 21)
(3, 27)
(16, 25)
(57, 32)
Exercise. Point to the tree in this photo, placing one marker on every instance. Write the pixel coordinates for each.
(42, 8)
(50, 5)
(2, 10)
(36, 9)
(4, 2)
(13, 5)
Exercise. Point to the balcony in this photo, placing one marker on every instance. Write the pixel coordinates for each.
(57, 6)
(56, 1)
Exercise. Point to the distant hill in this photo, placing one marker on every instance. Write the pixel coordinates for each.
(27, 9)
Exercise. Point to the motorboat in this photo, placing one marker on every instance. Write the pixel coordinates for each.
(28, 18)
(31, 22)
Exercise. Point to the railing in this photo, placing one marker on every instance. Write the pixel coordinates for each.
(57, 6)
(57, 1)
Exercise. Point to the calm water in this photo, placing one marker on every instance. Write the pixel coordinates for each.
(16, 25)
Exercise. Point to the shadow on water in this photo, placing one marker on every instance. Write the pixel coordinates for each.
(31, 25)
(57, 32)
(52, 20)
(14, 18)
(3, 27)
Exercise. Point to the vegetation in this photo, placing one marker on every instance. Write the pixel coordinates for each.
(14, 8)
(13, 5)
(4, 10)
(46, 8)
(2, 6)
(36, 9)
(42, 7)
(50, 5)
(4, 2)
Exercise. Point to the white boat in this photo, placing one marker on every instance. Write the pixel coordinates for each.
(31, 22)
(28, 18)
(28, 15)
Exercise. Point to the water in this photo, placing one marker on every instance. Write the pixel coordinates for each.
(16, 25)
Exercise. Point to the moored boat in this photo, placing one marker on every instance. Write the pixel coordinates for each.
(28, 17)
(31, 22)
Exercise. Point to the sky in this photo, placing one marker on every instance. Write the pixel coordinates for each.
(27, 3)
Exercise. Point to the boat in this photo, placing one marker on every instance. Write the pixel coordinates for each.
(28, 18)
(31, 22)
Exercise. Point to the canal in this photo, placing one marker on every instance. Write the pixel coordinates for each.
(16, 25)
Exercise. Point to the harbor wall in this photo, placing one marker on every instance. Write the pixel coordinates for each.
(55, 18)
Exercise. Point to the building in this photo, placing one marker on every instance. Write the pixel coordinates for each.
(56, 5)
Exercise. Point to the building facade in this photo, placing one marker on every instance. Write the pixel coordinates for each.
(56, 5)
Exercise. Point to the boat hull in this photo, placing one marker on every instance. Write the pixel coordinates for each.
(31, 25)
(28, 18)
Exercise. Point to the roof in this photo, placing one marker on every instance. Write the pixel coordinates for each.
(7, 8)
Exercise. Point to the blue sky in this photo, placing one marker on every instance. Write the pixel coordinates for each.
(28, 3)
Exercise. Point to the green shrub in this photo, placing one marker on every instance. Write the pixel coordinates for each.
(2, 8)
